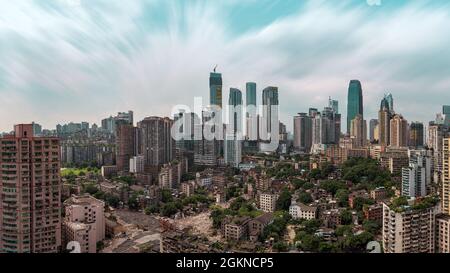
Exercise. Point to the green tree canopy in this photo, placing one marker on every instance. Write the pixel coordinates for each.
(284, 200)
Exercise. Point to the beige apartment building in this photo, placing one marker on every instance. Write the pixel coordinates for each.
(84, 222)
(446, 177)
(358, 129)
(257, 225)
(268, 202)
(409, 230)
(235, 229)
(30, 186)
(443, 221)
(170, 176)
(188, 188)
(443, 233)
(395, 159)
(399, 134)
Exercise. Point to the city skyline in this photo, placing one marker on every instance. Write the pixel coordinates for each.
(227, 127)
(131, 59)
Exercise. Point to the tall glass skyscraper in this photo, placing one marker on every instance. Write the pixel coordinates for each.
(232, 143)
(446, 114)
(384, 120)
(416, 135)
(235, 97)
(215, 89)
(446, 109)
(270, 124)
(355, 102)
(250, 93)
(373, 135)
(236, 112)
(302, 132)
(251, 114)
(390, 100)
(269, 99)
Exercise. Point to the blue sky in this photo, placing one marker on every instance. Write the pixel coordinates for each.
(74, 60)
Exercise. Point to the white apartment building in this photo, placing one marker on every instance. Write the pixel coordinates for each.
(301, 211)
(137, 164)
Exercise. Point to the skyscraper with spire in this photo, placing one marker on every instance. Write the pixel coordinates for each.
(333, 104)
(215, 89)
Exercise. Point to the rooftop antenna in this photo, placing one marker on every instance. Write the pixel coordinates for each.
(215, 67)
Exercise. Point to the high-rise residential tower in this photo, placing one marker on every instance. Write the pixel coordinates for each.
(126, 144)
(416, 178)
(325, 127)
(157, 144)
(302, 133)
(354, 103)
(109, 124)
(331, 122)
(445, 190)
(358, 131)
(399, 131)
(416, 135)
(205, 148)
(185, 134)
(384, 120)
(435, 137)
(443, 221)
(409, 229)
(30, 186)
(373, 129)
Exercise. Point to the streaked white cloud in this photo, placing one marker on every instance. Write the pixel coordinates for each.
(70, 63)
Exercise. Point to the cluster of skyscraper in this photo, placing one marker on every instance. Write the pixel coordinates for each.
(211, 140)
(151, 140)
(30, 159)
(313, 129)
(399, 145)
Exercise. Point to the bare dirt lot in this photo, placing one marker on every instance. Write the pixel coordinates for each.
(201, 225)
(145, 222)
